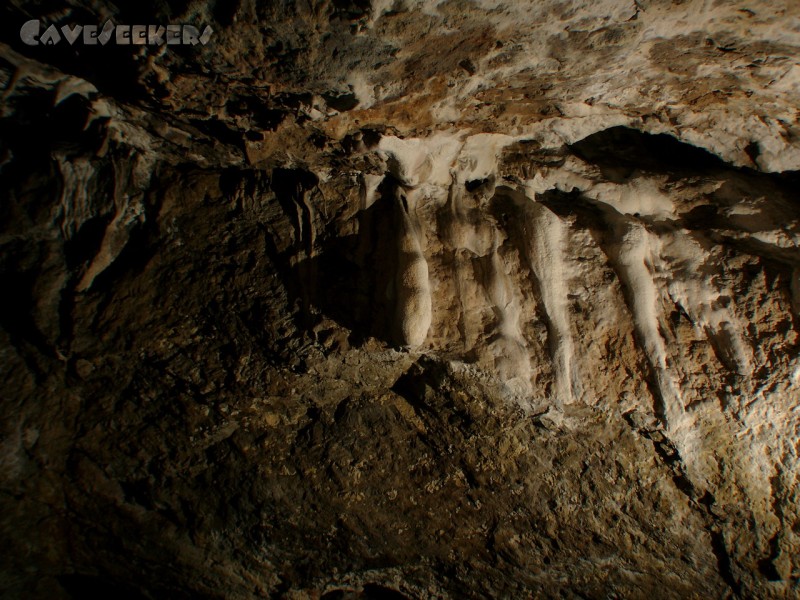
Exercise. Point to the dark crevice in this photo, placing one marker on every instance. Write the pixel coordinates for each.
(218, 130)
(474, 184)
(341, 279)
(724, 561)
(623, 146)
(374, 591)
(753, 151)
(253, 108)
(224, 11)
(341, 102)
(351, 9)
(766, 566)
(624, 150)
(411, 386)
(15, 313)
(82, 247)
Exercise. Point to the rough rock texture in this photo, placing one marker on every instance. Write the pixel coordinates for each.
(402, 300)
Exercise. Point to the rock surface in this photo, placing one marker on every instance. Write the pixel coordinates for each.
(402, 300)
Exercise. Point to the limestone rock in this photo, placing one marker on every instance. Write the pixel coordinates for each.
(402, 300)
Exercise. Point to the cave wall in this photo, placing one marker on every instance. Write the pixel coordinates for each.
(411, 300)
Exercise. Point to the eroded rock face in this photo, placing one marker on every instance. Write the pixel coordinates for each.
(403, 300)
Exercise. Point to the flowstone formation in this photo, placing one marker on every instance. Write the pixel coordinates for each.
(402, 300)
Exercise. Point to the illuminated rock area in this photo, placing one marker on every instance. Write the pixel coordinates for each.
(402, 300)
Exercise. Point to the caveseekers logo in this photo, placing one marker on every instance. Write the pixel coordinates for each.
(32, 34)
